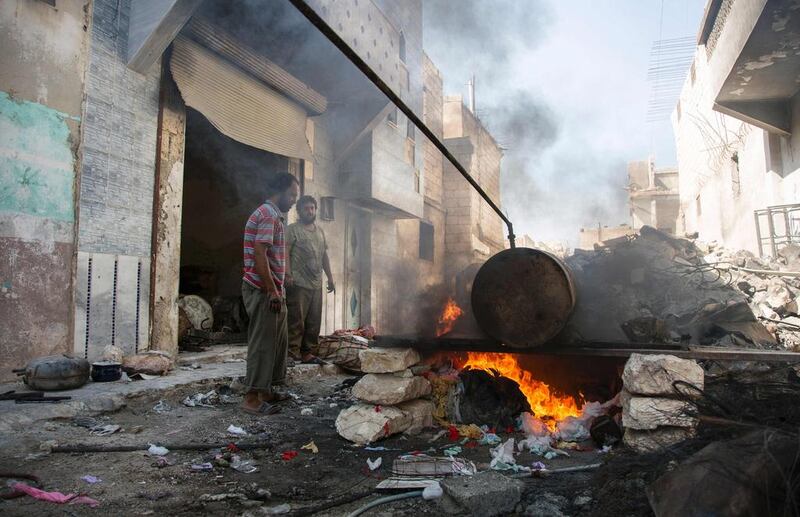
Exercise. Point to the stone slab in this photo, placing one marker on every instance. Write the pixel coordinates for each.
(386, 388)
(421, 413)
(484, 494)
(655, 374)
(387, 360)
(367, 423)
(647, 413)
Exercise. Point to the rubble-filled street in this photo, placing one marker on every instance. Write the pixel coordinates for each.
(400, 257)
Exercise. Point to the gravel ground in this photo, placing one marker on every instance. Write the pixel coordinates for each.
(134, 484)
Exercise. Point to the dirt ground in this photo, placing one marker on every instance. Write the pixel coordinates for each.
(134, 484)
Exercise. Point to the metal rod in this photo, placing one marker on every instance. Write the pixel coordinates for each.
(354, 58)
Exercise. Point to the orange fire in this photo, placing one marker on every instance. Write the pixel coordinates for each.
(545, 404)
(450, 314)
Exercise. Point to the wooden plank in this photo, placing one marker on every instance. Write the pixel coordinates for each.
(152, 27)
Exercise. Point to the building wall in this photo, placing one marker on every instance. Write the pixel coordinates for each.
(115, 200)
(728, 168)
(41, 86)
(473, 232)
(590, 236)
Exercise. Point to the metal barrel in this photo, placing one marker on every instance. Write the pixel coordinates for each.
(523, 297)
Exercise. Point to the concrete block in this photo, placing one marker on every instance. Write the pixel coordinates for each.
(385, 388)
(657, 439)
(647, 413)
(421, 413)
(387, 360)
(485, 494)
(366, 423)
(654, 374)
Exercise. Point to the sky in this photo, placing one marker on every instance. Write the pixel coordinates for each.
(563, 86)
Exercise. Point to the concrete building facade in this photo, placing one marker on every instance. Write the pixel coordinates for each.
(736, 124)
(126, 183)
(653, 196)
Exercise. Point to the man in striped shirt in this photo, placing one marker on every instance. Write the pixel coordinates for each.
(264, 296)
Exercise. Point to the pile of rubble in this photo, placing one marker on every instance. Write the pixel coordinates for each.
(655, 288)
(771, 286)
(655, 409)
(391, 397)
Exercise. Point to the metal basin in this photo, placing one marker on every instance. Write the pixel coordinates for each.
(523, 297)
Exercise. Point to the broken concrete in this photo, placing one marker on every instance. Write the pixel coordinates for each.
(365, 423)
(655, 374)
(387, 360)
(485, 494)
(385, 388)
(421, 413)
(657, 439)
(647, 413)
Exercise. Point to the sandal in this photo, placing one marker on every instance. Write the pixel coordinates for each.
(264, 409)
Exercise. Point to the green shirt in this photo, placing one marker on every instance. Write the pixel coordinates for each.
(306, 248)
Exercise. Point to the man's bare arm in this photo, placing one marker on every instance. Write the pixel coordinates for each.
(326, 267)
(262, 267)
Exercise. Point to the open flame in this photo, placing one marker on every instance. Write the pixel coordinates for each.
(447, 319)
(546, 405)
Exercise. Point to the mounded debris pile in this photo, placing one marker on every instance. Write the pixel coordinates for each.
(391, 397)
(655, 288)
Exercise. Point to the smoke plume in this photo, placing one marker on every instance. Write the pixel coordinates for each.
(553, 180)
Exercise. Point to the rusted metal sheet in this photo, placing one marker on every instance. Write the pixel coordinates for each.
(523, 297)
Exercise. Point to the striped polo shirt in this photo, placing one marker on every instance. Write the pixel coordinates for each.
(265, 225)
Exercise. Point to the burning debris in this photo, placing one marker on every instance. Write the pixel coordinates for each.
(448, 318)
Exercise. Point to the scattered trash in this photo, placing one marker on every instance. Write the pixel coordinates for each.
(490, 439)
(201, 399)
(104, 430)
(91, 479)
(374, 464)
(54, 497)
(162, 462)
(311, 446)
(306, 411)
(142, 376)
(432, 491)
(422, 465)
(503, 456)
(380, 449)
(243, 466)
(156, 450)
(438, 435)
(276, 510)
(538, 465)
(211, 498)
(202, 467)
(333, 405)
(85, 421)
(470, 431)
(452, 451)
(162, 407)
(48, 445)
(452, 433)
(236, 431)
(288, 455)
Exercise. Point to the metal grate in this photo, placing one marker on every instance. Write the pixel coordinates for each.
(782, 227)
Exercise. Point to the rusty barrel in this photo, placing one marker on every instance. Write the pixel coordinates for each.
(523, 297)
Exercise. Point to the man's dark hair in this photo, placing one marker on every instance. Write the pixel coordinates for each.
(305, 200)
(279, 183)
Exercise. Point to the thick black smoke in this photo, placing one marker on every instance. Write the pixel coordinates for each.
(544, 174)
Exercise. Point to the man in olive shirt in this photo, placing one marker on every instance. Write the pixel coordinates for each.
(307, 253)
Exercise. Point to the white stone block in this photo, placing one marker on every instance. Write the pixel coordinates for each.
(366, 423)
(385, 388)
(387, 360)
(655, 374)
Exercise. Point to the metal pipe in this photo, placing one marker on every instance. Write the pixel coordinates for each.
(327, 31)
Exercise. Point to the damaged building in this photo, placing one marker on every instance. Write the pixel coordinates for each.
(135, 152)
(735, 127)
